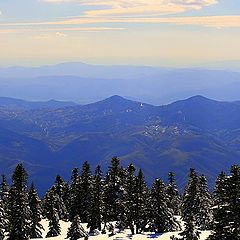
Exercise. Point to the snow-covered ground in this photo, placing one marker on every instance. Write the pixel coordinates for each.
(126, 235)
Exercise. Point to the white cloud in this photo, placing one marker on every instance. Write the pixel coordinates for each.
(138, 7)
(207, 21)
(59, 32)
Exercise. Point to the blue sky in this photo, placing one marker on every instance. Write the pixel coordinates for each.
(149, 32)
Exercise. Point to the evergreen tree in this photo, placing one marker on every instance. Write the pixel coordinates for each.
(190, 204)
(50, 204)
(61, 188)
(162, 216)
(54, 229)
(3, 221)
(173, 194)
(18, 207)
(76, 230)
(221, 188)
(142, 203)
(204, 200)
(227, 211)
(234, 201)
(97, 201)
(128, 213)
(4, 188)
(190, 232)
(3, 207)
(113, 191)
(74, 195)
(85, 193)
(35, 213)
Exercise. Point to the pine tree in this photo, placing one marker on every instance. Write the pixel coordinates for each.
(4, 188)
(190, 232)
(142, 203)
(18, 207)
(3, 220)
(113, 191)
(76, 230)
(61, 188)
(204, 200)
(173, 194)
(128, 213)
(85, 193)
(36, 211)
(190, 206)
(50, 203)
(162, 216)
(97, 201)
(54, 229)
(74, 195)
(3, 207)
(234, 201)
(227, 211)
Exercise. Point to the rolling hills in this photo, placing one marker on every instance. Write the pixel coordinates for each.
(195, 132)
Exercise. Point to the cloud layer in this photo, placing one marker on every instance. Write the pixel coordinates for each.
(138, 7)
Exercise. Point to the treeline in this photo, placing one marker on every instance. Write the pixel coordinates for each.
(123, 197)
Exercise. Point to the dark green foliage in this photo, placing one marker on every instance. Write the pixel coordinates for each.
(113, 191)
(18, 207)
(190, 232)
(76, 230)
(189, 206)
(227, 210)
(3, 221)
(173, 194)
(35, 226)
(54, 226)
(205, 203)
(61, 189)
(128, 210)
(161, 215)
(50, 204)
(97, 201)
(142, 203)
(4, 188)
(74, 195)
(85, 193)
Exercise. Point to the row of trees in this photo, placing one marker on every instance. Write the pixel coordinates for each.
(120, 195)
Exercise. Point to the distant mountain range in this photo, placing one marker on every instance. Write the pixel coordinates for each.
(53, 137)
(84, 83)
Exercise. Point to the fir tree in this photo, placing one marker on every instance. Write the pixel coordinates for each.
(61, 188)
(113, 191)
(227, 211)
(76, 230)
(142, 202)
(234, 201)
(97, 201)
(18, 207)
(85, 193)
(162, 216)
(204, 200)
(3, 221)
(190, 232)
(173, 194)
(74, 195)
(189, 206)
(54, 229)
(128, 213)
(4, 188)
(50, 204)
(35, 213)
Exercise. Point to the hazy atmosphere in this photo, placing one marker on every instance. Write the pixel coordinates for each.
(142, 32)
(120, 119)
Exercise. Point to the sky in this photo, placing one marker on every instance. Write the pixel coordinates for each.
(139, 32)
